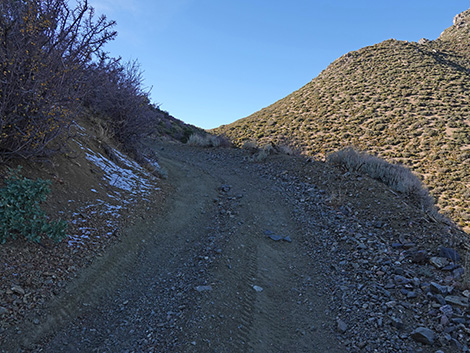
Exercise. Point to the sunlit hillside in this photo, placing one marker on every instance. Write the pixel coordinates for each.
(405, 101)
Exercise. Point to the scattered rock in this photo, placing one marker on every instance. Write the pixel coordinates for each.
(444, 320)
(450, 254)
(446, 310)
(418, 257)
(439, 262)
(423, 335)
(225, 188)
(440, 299)
(258, 289)
(203, 288)
(450, 267)
(409, 245)
(438, 289)
(341, 326)
(397, 323)
(287, 239)
(401, 280)
(458, 272)
(3, 310)
(456, 300)
(275, 237)
(17, 289)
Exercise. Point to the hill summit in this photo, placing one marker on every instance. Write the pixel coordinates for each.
(406, 102)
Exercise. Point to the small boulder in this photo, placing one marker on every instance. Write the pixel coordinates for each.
(17, 289)
(341, 326)
(423, 335)
(439, 262)
(203, 288)
(438, 289)
(449, 253)
(258, 289)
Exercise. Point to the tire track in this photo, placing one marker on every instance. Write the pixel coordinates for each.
(178, 257)
(276, 319)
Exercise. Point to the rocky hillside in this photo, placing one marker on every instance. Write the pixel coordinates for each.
(404, 101)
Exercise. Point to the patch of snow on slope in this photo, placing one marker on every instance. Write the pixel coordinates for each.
(81, 218)
(130, 182)
(131, 177)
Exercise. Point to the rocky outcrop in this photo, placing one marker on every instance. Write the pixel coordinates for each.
(462, 18)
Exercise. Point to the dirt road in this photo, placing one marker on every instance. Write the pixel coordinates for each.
(203, 275)
(279, 256)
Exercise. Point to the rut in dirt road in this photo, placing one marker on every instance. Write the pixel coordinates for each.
(256, 303)
(204, 277)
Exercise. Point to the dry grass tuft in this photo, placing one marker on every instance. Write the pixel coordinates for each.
(261, 153)
(207, 140)
(397, 177)
(250, 145)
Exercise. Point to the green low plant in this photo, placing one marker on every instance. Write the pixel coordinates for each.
(20, 212)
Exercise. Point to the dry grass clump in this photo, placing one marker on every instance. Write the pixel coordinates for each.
(397, 177)
(262, 152)
(250, 145)
(207, 140)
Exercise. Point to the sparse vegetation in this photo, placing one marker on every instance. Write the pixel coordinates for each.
(261, 153)
(405, 102)
(250, 145)
(20, 212)
(397, 177)
(207, 140)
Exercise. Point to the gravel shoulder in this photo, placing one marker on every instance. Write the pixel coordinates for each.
(252, 257)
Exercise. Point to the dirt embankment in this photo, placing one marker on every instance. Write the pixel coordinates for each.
(284, 256)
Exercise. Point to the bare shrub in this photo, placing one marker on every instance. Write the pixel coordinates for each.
(262, 153)
(115, 92)
(397, 177)
(45, 47)
(207, 140)
(250, 145)
(287, 150)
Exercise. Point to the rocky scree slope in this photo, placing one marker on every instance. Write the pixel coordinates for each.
(404, 101)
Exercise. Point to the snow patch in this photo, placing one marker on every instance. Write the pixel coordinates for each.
(129, 182)
(131, 177)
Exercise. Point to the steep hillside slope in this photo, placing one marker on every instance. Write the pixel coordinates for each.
(405, 101)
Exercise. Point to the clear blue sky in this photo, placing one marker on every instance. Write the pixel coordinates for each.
(211, 62)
